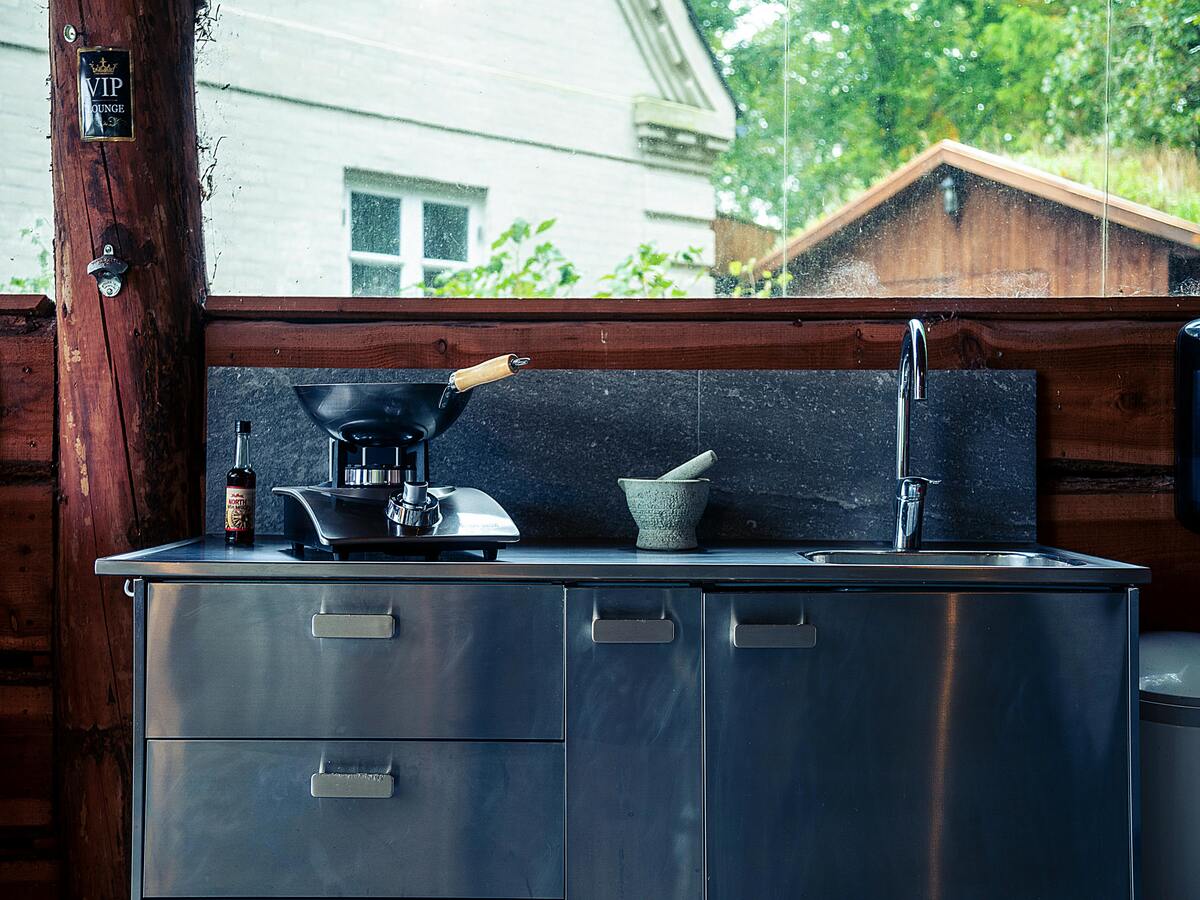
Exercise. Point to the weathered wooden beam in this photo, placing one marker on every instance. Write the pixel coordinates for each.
(130, 394)
(586, 309)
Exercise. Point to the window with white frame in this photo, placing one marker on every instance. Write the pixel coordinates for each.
(403, 237)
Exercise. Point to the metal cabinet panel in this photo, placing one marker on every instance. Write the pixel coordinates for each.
(462, 819)
(634, 752)
(455, 661)
(926, 745)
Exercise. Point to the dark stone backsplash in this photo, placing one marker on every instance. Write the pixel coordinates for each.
(802, 455)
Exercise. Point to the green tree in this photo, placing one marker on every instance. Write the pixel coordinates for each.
(1153, 80)
(872, 83)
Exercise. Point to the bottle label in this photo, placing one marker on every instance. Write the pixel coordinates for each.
(239, 509)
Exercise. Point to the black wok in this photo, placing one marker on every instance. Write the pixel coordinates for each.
(398, 415)
(381, 415)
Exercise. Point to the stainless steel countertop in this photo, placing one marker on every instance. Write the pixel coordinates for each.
(271, 558)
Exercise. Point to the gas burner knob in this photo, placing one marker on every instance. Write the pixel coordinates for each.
(412, 508)
(415, 494)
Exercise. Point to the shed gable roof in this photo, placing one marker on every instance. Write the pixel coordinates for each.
(1001, 170)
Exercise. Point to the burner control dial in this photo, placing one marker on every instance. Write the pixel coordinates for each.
(413, 508)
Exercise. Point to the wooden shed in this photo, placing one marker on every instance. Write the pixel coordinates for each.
(956, 221)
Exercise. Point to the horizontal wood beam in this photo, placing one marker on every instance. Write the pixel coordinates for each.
(37, 305)
(376, 309)
(1104, 387)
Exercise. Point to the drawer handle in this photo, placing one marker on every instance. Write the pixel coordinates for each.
(351, 785)
(633, 631)
(331, 625)
(775, 637)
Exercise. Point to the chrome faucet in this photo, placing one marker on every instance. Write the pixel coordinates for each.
(910, 489)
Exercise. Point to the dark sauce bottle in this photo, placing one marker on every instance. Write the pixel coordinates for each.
(239, 493)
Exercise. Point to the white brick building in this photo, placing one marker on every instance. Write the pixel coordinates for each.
(450, 119)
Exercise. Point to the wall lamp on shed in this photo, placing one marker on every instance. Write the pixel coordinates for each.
(950, 199)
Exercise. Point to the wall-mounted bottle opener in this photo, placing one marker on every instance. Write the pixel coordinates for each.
(109, 272)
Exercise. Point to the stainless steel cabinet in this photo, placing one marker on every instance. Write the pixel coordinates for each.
(345, 660)
(353, 819)
(634, 751)
(876, 744)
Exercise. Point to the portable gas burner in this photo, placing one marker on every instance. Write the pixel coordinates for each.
(378, 497)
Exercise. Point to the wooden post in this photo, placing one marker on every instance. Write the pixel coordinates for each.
(130, 393)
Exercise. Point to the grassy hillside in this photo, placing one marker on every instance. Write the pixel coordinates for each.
(1164, 178)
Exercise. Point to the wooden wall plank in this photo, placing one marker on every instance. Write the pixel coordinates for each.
(27, 391)
(1105, 389)
(30, 858)
(27, 557)
(28, 305)
(31, 879)
(26, 762)
(1137, 528)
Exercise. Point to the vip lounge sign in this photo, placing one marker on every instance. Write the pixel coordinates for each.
(105, 94)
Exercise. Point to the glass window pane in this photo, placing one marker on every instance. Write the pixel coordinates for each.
(375, 224)
(26, 203)
(374, 281)
(1150, 153)
(445, 231)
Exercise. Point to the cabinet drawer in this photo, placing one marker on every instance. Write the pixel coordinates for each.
(418, 661)
(423, 819)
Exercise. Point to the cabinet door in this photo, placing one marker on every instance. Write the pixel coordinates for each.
(634, 750)
(910, 745)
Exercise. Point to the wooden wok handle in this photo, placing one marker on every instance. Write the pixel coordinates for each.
(487, 372)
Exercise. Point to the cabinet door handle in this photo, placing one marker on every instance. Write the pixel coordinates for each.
(633, 631)
(331, 625)
(774, 637)
(351, 785)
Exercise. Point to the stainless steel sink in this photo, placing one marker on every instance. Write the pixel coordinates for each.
(941, 558)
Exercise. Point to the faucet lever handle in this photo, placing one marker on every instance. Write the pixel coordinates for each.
(912, 487)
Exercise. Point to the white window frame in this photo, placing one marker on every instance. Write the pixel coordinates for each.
(413, 195)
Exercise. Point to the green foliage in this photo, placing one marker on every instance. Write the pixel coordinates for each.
(872, 83)
(1154, 81)
(43, 281)
(762, 285)
(647, 273)
(514, 270)
(715, 18)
